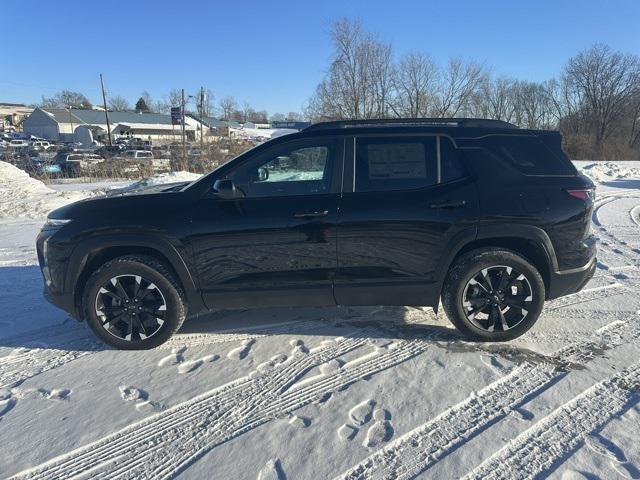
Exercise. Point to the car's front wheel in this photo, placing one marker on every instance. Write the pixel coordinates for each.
(134, 303)
(493, 294)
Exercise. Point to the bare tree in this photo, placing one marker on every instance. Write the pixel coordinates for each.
(278, 117)
(66, 98)
(457, 84)
(227, 106)
(247, 112)
(358, 83)
(414, 83)
(605, 81)
(119, 104)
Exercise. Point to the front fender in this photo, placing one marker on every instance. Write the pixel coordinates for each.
(86, 248)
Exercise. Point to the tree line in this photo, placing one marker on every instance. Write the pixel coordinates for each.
(594, 101)
(227, 108)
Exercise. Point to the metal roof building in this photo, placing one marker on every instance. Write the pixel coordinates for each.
(59, 124)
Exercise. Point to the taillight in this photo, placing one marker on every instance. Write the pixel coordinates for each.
(584, 194)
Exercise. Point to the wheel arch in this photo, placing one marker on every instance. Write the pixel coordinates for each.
(532, 243)
(89, 256)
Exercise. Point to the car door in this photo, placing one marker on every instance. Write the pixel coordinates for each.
(407, 201)
(274, 244)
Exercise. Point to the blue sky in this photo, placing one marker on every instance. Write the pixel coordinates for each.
(273, 54)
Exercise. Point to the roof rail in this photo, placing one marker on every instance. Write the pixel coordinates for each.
(442, 122)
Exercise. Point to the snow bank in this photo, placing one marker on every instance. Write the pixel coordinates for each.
(161, 179)
(608, 171)
(22, 196)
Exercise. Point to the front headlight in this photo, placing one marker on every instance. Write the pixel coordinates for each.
(55, 223)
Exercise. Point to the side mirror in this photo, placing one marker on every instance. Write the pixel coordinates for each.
(263, 174)
(225, 189)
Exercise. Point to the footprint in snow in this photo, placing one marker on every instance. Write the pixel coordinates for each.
(55, 394)
(299, 348)
(132, 394)
(299, 422)
(174, 358)
(6, 404)
(272, 471)
(177, 358)
(617, 458)
(380, 431)
(192, 365)
(347, 432)
(242, 351)
(333, 366)
(361, 413)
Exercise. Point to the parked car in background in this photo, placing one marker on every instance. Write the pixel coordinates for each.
(18, 144)
(43, 166)
(40, 145)
(74, 164)
(136, 160)
(109, 151)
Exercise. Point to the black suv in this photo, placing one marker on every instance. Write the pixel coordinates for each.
(492, 219)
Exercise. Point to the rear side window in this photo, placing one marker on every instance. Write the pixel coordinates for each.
(529, 155)
(395, 164)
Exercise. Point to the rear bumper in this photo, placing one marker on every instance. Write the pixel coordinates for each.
(565, 282)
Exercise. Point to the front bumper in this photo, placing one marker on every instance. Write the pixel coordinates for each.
(565, 282)
(53, 262)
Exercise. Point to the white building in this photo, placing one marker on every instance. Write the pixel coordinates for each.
(12, 115)
(60, 124)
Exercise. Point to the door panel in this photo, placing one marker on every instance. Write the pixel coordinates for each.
(259, 252)
(275, 246)
(390, 242)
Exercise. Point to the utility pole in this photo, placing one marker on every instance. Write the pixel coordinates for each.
(184, 153)
(201, 121)
(71, 122)
(106, 112)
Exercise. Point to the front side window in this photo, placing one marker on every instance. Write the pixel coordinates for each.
(288, 170)
(395, 164)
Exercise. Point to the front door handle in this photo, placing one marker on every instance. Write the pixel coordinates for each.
(322, 213)
(453, 204)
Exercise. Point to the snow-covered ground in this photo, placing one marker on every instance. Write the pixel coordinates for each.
(326, 392)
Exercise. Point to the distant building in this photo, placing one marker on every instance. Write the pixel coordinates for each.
(12, 115)
(221, 128)
(291, 125)
(60, 124)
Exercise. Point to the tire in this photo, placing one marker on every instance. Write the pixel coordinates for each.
(155, 306)
(475, 279)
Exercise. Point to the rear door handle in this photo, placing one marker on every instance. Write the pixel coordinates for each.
(454, 204)
(322, 213)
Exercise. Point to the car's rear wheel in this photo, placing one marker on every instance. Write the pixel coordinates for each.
(134, 302)
(493, 295)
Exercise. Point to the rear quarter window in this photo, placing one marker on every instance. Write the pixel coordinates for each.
(528, 154)
(450, 162)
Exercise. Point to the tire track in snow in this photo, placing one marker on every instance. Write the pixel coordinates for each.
(552, 440)
(423, 447)
(621, 249)
(42, 350)
(52, 347)
(586, 295)
(165, 444)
